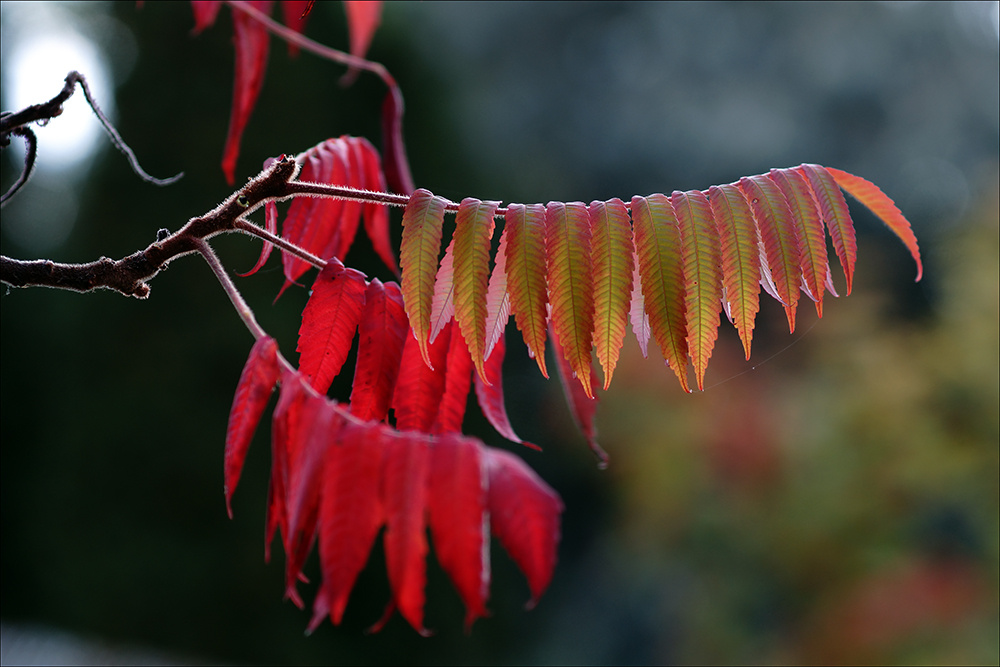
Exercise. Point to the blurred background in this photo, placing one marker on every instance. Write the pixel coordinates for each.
(835, 499)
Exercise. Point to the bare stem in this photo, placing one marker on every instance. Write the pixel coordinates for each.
(252, 229)
(242, 308)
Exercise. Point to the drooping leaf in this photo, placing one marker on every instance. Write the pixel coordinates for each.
(661, 271)
(525, 264)
(328, 323)
(295, 14)
(419, 386)
(350, 515)
(456, 504)
(471, 270)
(443, 303)
(251, 41)
(376, 216)
(637, 310)
(382, 332)
(318, 427)
(524, 515)
(491, 396)
(613, 255)
(418, 257)
(808, 231)
(205, 13)
(739, 258)
(702, 277)
(581, 406)
(779, 238)
(404, 496)
(253, 391)
(363, 17)
(285, 439)
(570, 277)
(457, 371)
(497, 299)
(836, 216)
(878, 203)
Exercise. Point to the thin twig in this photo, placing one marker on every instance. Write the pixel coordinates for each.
(242, 308)
(31, 146)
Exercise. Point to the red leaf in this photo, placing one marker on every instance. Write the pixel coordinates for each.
(205, 13)
(350, 515)
(376, 215)
(251, 41)
(836, 216)
(780, 241)
(285, 426)
(363, 17)
(457, 372)
(878, 203)
(324, 226)
(381, 334)
(295, 13)
(404, 494)
(582, 406)
(456, 502)
(253, 391)
(491, 397)
(328, 322)
(318, 424)
(417, 398)
(524, 515)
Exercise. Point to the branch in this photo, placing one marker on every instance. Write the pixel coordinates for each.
(130, 275)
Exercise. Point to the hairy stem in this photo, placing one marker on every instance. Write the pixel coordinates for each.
(242, 308)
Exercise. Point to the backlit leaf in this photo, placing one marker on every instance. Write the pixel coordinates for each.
(526, 275)
(661, 271)
(421, 245)
(471, 270)
(456, 504)
(381, 333)
(491, 396)
(570, 276)
(777, 234)
(700, 255)
(878, 203)
(253, 391)
(524, 515)
(328, 323)
(404, 496)
(739, 257)
(251, 41)
(808, 231)
(613, 255)
(836, 216)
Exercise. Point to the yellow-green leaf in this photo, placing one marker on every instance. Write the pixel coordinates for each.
(658, 246)
(473, 234)
(421, 244)
(526, 267)
(612, 253)
(571, 284)
(740, 258)
(702, 276)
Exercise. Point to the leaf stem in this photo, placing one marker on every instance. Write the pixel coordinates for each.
(242, 308)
